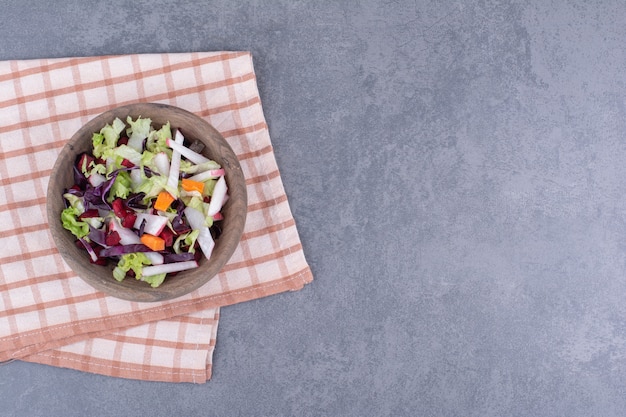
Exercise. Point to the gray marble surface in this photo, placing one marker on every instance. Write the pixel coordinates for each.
(457, 171)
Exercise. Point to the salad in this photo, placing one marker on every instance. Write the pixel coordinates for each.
(150, 204)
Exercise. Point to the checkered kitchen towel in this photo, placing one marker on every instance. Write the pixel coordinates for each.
(47, 313)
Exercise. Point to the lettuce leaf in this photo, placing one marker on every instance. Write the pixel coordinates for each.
(209, 186)
(107, 137)
(188, 239)
(156, 141)
(154, 280)
(128, 261)
(121, 186)
(147, 160)
(97, 140)
(140, 128)
(75, 202)
(199, 204)
(69, 218)
(185, 165)
(151, 187)
(122, 152)
(196, 203)
(112, 132)
(99, 169)
(138, 131)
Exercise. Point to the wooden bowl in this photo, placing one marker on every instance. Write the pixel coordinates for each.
(234, 211)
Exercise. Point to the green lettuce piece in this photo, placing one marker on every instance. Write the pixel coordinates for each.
(195, 202)
(107, 137)
(154, 280)
(75, 202)
(147, 160)
(140, 128)
(121, 186)
(84, 168)
(128, 261)
(112, 132)
(122, 152)
(69, 218)
(97, 140)
(119, 274)
(98, 168)
(117, 155)
(199, 204)
(189, 239)
(185, 165)
(209, 186)
(156, 141)
(151, 187)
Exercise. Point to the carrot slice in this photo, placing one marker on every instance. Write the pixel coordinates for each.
(153, 242)
(191, 185)
(163, 201)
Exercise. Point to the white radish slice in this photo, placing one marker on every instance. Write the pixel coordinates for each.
(196, 221)
(154, 223)
(217, 198)
(207, 175)
(96, 179)
(172, 179)
(162, 163)
(155, 257)
(194, 157)
(168, 268)
(195, 218)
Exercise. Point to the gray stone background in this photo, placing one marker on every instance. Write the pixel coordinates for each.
(457, 173)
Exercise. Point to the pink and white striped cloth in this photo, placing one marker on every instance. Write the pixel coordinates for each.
(47, 313)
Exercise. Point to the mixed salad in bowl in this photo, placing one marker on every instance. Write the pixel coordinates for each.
(144, 201)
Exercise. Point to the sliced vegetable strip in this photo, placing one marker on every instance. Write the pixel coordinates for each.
(169, 268)
(194, 157)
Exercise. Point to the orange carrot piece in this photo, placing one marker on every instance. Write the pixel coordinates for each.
(163, 201)
(191, 185)
(153, 242)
